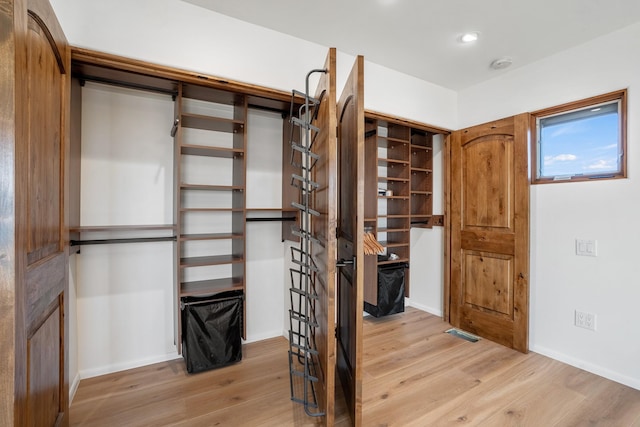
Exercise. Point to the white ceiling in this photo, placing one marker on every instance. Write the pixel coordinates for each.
(420, 37)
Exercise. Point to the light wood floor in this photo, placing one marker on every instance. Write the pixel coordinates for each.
(413, 375)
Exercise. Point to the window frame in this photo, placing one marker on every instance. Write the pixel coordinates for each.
(619, 95)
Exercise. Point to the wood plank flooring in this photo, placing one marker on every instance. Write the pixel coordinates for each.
(413, 375)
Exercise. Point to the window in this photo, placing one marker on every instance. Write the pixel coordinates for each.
(581, 141)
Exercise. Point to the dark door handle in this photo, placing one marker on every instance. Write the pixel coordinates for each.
(344, 262)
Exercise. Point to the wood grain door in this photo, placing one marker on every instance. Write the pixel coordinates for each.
(490, 231)
(350, 292)
(324, 229)
(40, 279)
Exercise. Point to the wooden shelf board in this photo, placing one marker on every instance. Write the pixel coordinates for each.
(210, 287)
(420, 170)
(387, 162)
(257, 213)
(184, 186)
(203, 150)
(210, 260)
(421, 193)
(211, 236)
(421, 147)
(394, 216)
(388, 244)
(211, 210)
(209, 94)
(393, 261)
(394, 197)
(272, 210)
(198, 121)
(392, 179)
(89, 228)
(385, 141)
(421, 226)
(392, 230)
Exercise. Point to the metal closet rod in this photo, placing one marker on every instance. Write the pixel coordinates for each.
(275, 218)
(130, 240)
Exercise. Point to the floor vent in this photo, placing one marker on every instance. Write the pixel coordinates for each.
(461, 334)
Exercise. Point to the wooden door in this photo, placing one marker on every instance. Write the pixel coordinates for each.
(490, 231)
(350, 292)
(324, 229)
(37, 246)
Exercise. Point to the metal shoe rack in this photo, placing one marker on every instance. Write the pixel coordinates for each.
(303, 354)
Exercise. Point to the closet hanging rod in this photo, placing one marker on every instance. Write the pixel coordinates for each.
(272, 218)
(131, 240)
(103, 80)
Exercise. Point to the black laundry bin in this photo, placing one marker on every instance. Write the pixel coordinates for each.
(212, 330)
(390, 290)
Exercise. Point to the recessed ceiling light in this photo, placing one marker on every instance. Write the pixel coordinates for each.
(469, 37)
(501, 63)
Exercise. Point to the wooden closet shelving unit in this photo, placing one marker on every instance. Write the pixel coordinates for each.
(219, 117)
(398, 188)
(210, 210)
(421, 178)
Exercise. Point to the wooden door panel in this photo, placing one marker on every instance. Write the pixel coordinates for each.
(45, 282)
(44, 120)
(323, 228)
(350, 233)
(487, 282)
(488, 182)
(42, 114)
(44, 372)
(478, 240)
(489, 196)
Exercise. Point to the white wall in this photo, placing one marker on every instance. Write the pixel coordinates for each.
(607, 211)
(124, 292)
(266, 256)
(179, 34)
(427, 248)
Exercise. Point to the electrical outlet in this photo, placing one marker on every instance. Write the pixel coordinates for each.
(585, 320)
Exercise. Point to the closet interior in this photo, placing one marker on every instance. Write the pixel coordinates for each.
(194, 145)
(203, 222)
(398, 194)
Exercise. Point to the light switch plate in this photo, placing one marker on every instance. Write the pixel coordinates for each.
(585, 247)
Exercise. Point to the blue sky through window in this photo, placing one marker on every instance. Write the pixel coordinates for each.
(588, 146)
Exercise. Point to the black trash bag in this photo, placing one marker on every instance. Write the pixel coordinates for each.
(390, 291)
(212, 331)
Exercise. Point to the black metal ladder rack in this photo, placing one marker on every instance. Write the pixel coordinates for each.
(303, 353)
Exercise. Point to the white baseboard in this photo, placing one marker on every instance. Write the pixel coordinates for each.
(74, 387)
(431, 310)
(589, 367)
(122, 366)
(262, 336)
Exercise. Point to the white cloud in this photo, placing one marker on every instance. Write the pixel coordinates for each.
(601, 164)
(549, 160)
